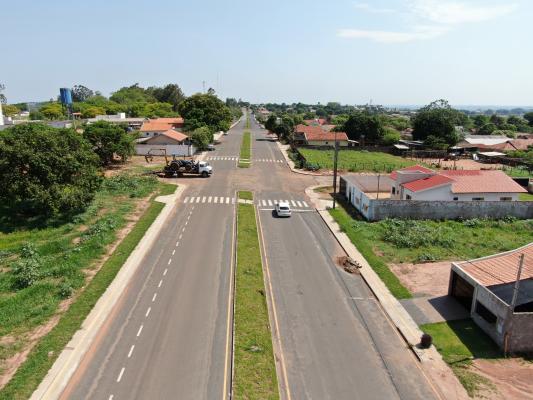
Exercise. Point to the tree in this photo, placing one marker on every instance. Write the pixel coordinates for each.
(81, 93)
(285, 128)
(201, 137)
(487, 129)
(529, 117)
(3, 99)
(52, 111)
(439, 120)
(109, 139)
(391, 136)
(92, 111)
(154, 110)
(480, 120)
(271, 123)
(9, 110)
(46, 171)
(132, 94)
(497, 120)
(361, 124)
(171, 93)
(205, 110)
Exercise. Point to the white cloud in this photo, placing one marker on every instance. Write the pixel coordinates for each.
(457, 12)
(419, 33)
(435, 18)
(367, 7)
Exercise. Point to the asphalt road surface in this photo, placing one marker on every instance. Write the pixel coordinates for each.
(169, 339)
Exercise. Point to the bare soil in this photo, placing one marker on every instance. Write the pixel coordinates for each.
(428, 279)
(512, 377)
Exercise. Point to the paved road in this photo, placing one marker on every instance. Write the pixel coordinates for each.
(168, 337)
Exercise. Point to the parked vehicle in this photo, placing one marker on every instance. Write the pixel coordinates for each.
(211, 147)
(181, 167)
(283, 209)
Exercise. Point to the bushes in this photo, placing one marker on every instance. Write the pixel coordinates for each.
(414, 234)
(27, 270)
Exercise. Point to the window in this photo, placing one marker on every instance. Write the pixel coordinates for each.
(456, 198)
(478, 198)
(407, 197)
(485, 313)
(393, 190)
(506, 198)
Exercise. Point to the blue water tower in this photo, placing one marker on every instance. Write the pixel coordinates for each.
(65, 94)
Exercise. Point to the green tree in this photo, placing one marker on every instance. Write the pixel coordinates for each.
(81, 93)
(480, 120)
(170, 93)
(92, 111)
(487, 129)
(285, 129)
(108, 140)
(497, 120)
(391, 136)
(529, 117)
(9, 110)
(201, 137)
(205, 110)
(271, 123)
(361, 124)
(154, 110)
(52, 111)
(46, 171)
(132, 94)
(438, 120)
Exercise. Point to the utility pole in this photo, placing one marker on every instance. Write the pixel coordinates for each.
(203, 86)
(335, 158)
(517, 283)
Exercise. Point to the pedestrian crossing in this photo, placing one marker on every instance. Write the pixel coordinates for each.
(268, 160)
(226, 200)
(222, 158)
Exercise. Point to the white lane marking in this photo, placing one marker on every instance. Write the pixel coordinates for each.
(148, 312)
(192, 208)
(154, 297)
(121, 373)
(305, 204)
(203, 199)
(169, 261)
(227, 200)
(263, 202)
(293, 203)
(270, 203)
(209, 199)
(183, 230)
(177, 244)
(110, 397)
(233, 200)
(216, 199)
(173, 251)
(186, 222)
(139, 331)
(275, 202)
(299, 204)
(188, 217)
(186, 200)
(179, 237)
(160, 283)
(198, 199)
(131, 350)
(165, 271)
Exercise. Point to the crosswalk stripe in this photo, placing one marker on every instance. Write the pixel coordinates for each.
(209, 199)
(186, 200)
(216, 199)
(293, 203)
(203, 199)
(299, 204)
(275, 202)
(197, 199)
(227, 200)
(264, 202)
(305, 204)
(269, 203)
(233, 200)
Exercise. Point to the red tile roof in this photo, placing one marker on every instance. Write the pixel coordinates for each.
(500, 268)
(471, 181)
(427, 183)
(316, 133)
(171, 133)
(419, 168)
(154, 126)
(173, 121)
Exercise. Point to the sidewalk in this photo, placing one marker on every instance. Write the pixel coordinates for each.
(70, 358)
(437, 371)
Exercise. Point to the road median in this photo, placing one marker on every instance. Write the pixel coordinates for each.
(246, 151)
(254, 365)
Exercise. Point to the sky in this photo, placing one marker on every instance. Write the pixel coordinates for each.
(391, 52)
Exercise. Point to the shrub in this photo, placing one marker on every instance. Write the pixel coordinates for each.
(414, 234)
(26, 272)
(65, 290)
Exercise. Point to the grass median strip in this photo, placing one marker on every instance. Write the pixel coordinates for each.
(246, 151)
(44, 354)
(255, 369)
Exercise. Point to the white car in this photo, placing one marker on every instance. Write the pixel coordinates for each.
(283, 209)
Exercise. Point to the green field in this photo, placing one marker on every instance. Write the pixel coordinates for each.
(525, 197)
(459, 342)
(41, 266)
(246, 150)
(254, 367)
(355, 161)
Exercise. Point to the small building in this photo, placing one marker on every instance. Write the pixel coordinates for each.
(119, 118)
(171, 141)
(157, 126)
(499, 303)
(317, 136)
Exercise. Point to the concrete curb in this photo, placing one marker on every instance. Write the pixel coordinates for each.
(70, 358)
(438, 372)
(283, 148)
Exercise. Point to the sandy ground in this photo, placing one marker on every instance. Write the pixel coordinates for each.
(460, 164)
(428, 279)
(512, 377)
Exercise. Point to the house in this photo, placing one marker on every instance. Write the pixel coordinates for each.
(119, 118)
(420, 183)
(498, 296)
(316, 136)
(170, 141)
(157, 126)
(315, 122)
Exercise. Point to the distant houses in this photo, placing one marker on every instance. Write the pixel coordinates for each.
(161, 135)
(316, 135)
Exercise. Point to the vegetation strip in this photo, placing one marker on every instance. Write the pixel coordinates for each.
(254, 366)
(246, 151)
(44, 354)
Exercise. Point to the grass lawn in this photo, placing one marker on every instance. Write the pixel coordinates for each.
(246, 150)
(459, 342)
(62, 254)
(525, 197)
(244, 195)
(255, 370)
(356, 161)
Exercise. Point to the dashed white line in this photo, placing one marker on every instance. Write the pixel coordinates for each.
(160, 283)
(186, 222)
(177, 243)
(120, 374)
(153, 298)
(180, 236)
(131, 350)
(148, 312)
(305, 204)
(169, 261)
(165, 271)
(139, 331)
(110, 397)
(183, 230)
(173, 251)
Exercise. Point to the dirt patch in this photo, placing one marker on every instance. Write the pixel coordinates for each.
(512, 377)
(428, 279)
